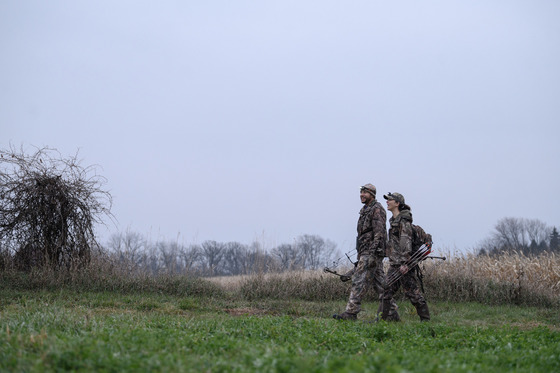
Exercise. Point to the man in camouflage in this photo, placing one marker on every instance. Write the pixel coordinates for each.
(399, 250)
(370, 244)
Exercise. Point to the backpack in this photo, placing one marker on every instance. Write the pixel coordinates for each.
(419, 237)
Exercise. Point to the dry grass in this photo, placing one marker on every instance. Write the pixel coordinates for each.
(540, 274)
(103, 275)
(506, 279)
(235, 283)
(510, 278)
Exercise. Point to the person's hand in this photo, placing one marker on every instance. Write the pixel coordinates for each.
(344, 278)
(403, 269)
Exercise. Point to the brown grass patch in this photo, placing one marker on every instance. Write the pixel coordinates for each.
(534, 325)
(244, 312)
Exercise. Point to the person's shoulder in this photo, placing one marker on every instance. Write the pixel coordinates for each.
(377, 205)
(406, 216)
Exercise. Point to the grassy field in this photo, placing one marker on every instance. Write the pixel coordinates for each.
(149, 331)
(489, 314)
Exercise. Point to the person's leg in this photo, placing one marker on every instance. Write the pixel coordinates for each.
(388, 304)
(413, 293)
(360, 279)
(379, 286)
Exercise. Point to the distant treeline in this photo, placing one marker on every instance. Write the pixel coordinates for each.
(212, 258)
(526, 236)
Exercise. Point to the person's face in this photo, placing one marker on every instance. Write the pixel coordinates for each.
(392, 204)
(365, 196)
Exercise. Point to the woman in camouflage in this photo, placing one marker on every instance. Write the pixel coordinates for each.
(399, 250)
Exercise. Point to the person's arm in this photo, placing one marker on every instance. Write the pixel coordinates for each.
(405, 245)
(379, 230)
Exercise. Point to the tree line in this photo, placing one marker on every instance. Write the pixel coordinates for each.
(212, 258)
(527, 236)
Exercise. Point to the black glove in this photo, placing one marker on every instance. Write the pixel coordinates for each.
(344, 278)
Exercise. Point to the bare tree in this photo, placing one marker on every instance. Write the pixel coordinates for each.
(315, 250)
(235, 259)
(537, 231)
(258, 260)
(189, 257)
(169, 255)
(48, 208)
(288, 257)
(212, 254)
(529, 236)
(130, 248)
(510, 234)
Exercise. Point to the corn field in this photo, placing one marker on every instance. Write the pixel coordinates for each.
(506, 278)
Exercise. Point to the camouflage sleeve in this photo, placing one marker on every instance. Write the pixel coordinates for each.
(379, 230)
(404, 247)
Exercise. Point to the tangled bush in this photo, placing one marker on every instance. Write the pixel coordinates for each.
(48, 208)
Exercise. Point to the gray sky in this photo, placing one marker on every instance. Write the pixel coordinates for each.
(259, 120)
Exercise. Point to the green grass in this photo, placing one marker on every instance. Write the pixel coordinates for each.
(67, 330)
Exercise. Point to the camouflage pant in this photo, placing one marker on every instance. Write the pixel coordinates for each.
(368, 271)
(411, 291)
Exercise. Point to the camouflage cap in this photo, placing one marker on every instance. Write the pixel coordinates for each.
(395, 196)
(369, 188)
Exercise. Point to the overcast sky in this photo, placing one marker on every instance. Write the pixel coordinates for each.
(259, 120)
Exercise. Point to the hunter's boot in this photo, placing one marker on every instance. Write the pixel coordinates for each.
(423, 312)
(346, 316)
(388, 313)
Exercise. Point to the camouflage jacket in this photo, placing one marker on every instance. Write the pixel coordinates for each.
(372, 234)
(400, 238)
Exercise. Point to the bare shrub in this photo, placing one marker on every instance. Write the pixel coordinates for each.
(48, 208)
